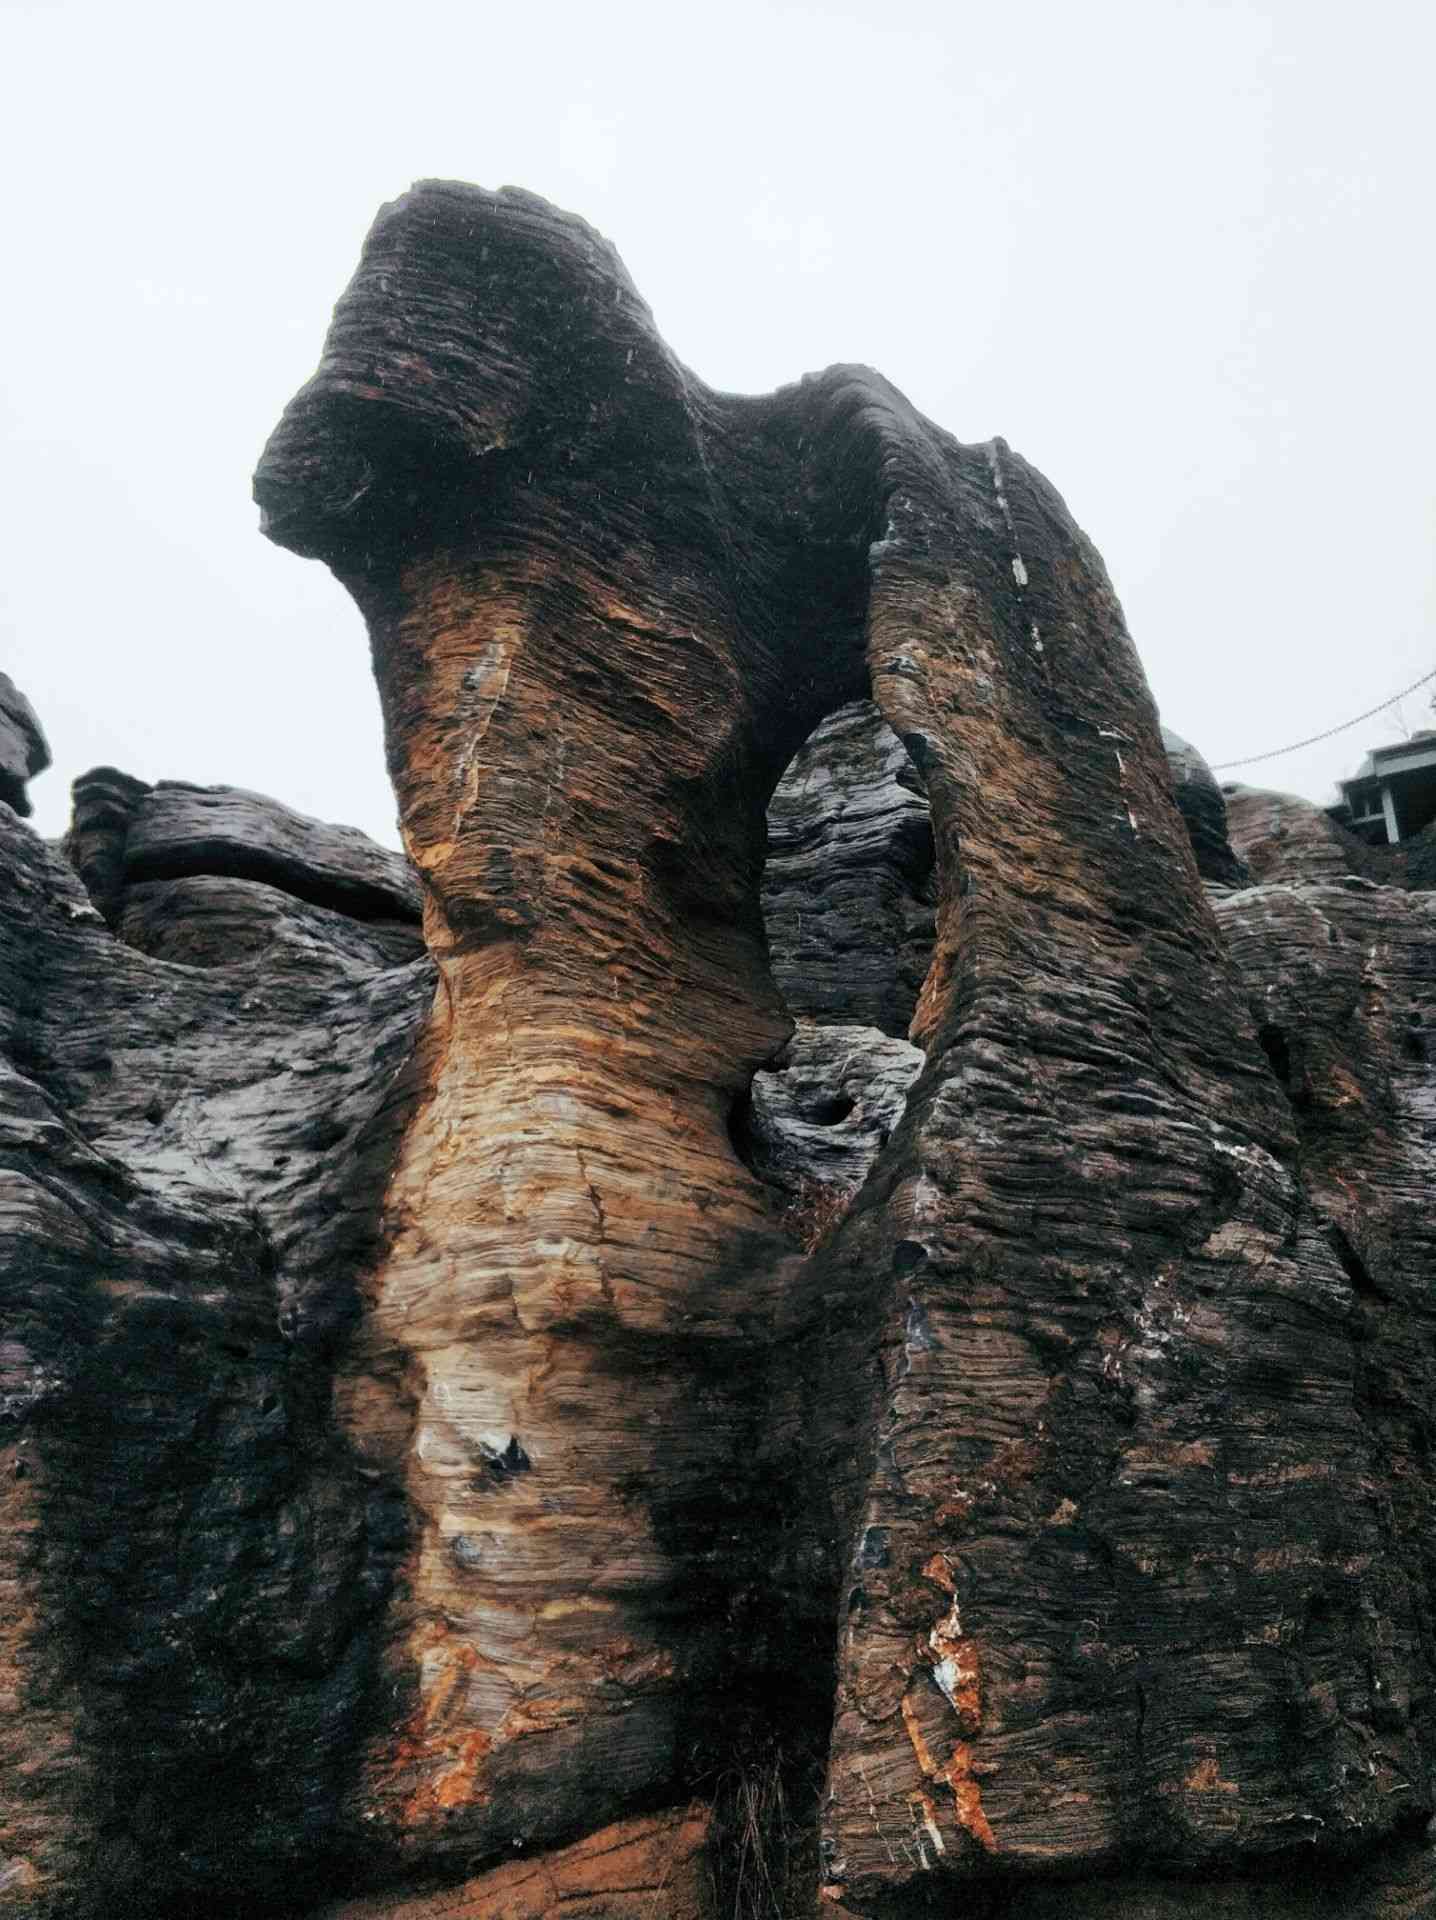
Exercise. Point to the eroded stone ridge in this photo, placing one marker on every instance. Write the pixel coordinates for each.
(452, 1463)
(24, 751)
(1071, 1385)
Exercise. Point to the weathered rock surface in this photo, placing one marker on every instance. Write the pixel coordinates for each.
(200, 873)
(442, 1448)
(195, 1563)
(1204, 811)
(848, 889)
(1283, 838)
(24, 751)
(640, 1869)
(829, 1106)
(1073, 1380)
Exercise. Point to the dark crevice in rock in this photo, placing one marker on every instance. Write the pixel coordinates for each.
(1276, 1043)
(352, 899)
(1353, 1266)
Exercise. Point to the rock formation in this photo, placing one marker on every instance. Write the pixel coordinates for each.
(891, 1381)
(197, 1564)
(1203, 807)
(1281, 837)
(23, 748)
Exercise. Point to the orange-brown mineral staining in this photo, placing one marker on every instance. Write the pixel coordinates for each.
(966, 1797)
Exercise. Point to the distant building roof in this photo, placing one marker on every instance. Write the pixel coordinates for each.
(1392, 794)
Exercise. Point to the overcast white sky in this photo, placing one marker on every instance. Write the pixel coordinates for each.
(1179, 252)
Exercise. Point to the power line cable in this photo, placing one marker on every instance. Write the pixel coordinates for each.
(1220, 766)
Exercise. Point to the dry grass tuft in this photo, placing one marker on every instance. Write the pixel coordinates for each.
(814, 1211)
(764, 1870)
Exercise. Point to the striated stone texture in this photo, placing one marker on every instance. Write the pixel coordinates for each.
(606, 608)
(195, 1564)
(1071, 1390)
(847, 899)
(24, 751)
(450, 1476)
(201, 874)
(654, 1867)
(848, 889)
(1283, 838)
(1203, 808)
(829, 1106)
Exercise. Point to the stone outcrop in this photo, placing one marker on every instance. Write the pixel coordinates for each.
(24, 751)
(196, 1564)
(1283, 838)
(848, 887)
(203, 874)
(849, 1337)
(1280, 837)
(1203, 808)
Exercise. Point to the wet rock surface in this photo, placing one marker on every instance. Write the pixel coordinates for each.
(195, 1564)
(432, 1444)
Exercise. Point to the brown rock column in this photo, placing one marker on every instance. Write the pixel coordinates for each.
(1111, 1448)
(592, 672)
(1056, 1435)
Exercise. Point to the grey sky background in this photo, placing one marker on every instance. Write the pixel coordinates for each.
(1178, 252)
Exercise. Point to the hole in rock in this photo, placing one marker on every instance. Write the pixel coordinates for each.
(501, 1464)
(1275, 1043)
(848, 906)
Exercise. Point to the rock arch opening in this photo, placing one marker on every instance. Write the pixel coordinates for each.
(848, 900)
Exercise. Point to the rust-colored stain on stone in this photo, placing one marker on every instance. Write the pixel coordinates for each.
(939, 1571)
(1206, 1777)
(958, 1773)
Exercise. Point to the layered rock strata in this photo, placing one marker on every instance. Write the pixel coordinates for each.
(1203, 807)
(202, 874)
(848, 884)
(24, 751)
(196, 1564)
(1283, 838)
(1072, 1385)
(847, 900)
(445, 1465)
